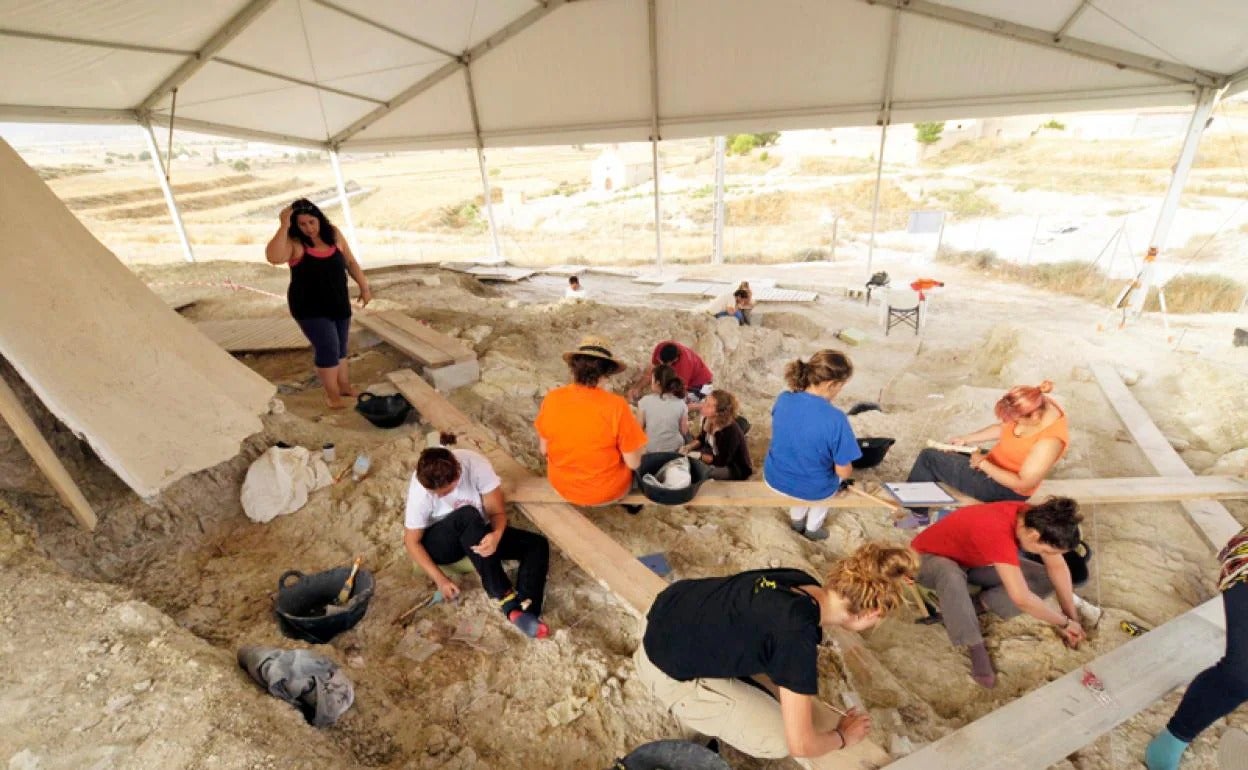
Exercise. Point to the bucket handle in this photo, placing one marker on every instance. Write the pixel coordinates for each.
(281, 581)
(365, 396)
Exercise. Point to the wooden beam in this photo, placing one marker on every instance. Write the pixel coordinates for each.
(418, 349)
(1211, 518)
(41, 452)
(1046, 725)
(450, 346)
(729, 494)
(600, 557)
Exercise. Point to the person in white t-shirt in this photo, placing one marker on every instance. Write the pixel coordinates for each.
(455, 508)
(575, 291)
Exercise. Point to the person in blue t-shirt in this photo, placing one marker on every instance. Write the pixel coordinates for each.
(812, 443)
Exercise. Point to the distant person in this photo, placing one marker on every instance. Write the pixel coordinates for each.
(319, 260)
(687, 364)
(741, 307)
(575, 291)
(980, 545)
(455, 508)
(1219, 689)
(704, 638)
(663, 414)
(1032, 435)
(721, 444)
(591, 440)
(813, 446)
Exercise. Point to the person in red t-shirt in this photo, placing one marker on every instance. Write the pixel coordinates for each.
(687, 364)
(980, 545)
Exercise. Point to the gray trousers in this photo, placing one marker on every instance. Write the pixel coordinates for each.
(951, 582)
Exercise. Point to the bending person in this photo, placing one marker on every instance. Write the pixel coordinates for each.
(812, 444)
(687, 364)
(590, 438)
(721, 444)
(740, 308)
(455, 508)
(319, 260)
(979, 546)
(663, 414)
(703, 637)
(1031, 437)
(1219, 689)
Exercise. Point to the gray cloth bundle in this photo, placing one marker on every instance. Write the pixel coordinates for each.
(302, 678)
(675, 474)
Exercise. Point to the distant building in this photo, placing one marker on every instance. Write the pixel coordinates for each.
(617, 169)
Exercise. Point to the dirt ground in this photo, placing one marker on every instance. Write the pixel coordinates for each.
(118, 644)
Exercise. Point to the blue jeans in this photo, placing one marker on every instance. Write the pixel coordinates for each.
(328, 337)
(1219, 689)
(738, 314)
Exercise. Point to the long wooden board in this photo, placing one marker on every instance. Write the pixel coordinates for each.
(600, 557)
(1211, 518)
(1044, 726)
(744, 494)
(452, 347)
(242, 335)
(12, 412)
(418, 349)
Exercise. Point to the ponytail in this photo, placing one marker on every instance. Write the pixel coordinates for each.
(824, 366)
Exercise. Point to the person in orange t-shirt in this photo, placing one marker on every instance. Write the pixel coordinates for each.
(1032, 436)
(591, 440)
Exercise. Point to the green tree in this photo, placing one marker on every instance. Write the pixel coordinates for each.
(741, 144)
(928, 133)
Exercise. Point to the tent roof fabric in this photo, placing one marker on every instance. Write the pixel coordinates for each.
(406, 74)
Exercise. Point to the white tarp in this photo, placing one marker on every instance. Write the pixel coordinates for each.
(370, 74)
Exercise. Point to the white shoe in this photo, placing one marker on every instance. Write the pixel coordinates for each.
(1089, 613)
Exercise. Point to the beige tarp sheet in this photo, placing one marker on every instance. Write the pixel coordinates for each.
(153, 397)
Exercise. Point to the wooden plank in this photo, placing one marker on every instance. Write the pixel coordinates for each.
(45, 458)
(458, 351)
(1211, 518)
(1044, 726)
(418, 349)
(600, 557)
(733, 494)
(242, 335)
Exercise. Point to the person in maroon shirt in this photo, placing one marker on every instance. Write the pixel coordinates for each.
(980, 545)
(687, 364)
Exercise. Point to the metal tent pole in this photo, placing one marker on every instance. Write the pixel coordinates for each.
(1205, 100)
(652, 16)
(717, 244)
(886, 117)
(497, 251)
(342, 196)
(161, 177)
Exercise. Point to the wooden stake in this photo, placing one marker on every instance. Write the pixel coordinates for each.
(41, 452)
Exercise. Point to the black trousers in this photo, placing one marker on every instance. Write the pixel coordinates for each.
(953, 469)
(452, 538)
(1219, 689)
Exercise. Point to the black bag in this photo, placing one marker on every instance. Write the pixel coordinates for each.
(383, 411)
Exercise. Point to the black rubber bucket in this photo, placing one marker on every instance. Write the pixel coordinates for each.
(300, 606)
(383, 411)
(652, 462)
(673, 755)
(873, 451)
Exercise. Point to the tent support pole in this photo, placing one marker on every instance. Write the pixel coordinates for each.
(886, 117)
(497, 251)
(652, 17)
(717, 244)
(1205, 101)
(342, 196)
(163, 178)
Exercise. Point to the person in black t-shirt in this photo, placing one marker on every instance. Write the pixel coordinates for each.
(704, 636)
(320, 261)
(722, 441)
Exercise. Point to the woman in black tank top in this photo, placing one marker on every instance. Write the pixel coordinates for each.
(319, 260)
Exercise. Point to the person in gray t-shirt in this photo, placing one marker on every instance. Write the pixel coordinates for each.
(663, 413)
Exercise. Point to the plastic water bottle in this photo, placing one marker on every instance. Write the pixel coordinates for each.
(360, 469)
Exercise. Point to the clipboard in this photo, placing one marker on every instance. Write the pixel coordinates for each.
(920, 493)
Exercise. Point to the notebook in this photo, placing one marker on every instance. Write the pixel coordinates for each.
(919, 493)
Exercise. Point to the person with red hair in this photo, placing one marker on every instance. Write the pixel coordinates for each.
(1031, 435)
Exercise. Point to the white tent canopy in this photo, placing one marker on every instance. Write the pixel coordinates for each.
(372, 74)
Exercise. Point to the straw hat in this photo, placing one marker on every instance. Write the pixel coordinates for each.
(594, 347)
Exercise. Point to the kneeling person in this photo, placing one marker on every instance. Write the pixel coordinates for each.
(704, 637)
(450, 497)
(979, 545)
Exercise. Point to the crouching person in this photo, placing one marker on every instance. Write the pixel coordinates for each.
(980, 545)
(705, 638)
(455, 509)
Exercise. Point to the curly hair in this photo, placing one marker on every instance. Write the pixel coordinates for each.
(824, 366)
(588, 370)
(726, 408)
(437, 466)
(873, 577)
(1057, 520)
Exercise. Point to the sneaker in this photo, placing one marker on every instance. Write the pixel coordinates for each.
(913, 520)
(1089, 613)
(797, 526)
(818, 534)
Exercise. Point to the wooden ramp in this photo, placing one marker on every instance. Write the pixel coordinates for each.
(420, 342)
(245, 335)
(589, 547)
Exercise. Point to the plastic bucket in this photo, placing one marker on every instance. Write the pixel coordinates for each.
(301, 602)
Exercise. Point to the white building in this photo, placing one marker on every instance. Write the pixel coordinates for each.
(617, 169)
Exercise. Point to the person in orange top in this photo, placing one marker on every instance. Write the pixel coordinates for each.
(591, 440)
(1032, 436)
